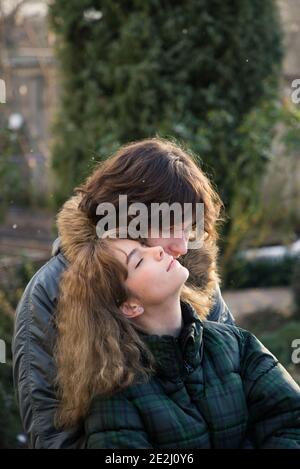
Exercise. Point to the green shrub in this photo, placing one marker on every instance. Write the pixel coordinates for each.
(203, 72)
(11, 289)
(296, 287)
(259, 273)
(10, 424)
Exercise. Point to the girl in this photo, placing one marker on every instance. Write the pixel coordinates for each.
(140, 366)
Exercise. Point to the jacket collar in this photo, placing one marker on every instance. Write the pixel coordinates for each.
(178, 357)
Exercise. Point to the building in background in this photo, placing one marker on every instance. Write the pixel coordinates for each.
(28, 67)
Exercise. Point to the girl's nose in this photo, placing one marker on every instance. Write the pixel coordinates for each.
(159, 252)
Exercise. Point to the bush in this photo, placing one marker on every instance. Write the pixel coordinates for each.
(259, 273)
(11, 289)
(205, 73)
(10, 424)
(296, 287)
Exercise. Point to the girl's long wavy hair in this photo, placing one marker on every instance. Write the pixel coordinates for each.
(98, 350)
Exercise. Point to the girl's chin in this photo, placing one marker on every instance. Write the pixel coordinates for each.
(185, 273)
(181, 282)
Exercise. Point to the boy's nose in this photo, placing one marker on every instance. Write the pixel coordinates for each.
(178, 247)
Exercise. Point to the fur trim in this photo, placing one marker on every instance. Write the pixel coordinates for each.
(74, 228)
(202, 265)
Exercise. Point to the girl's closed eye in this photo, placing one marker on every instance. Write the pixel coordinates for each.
(143, 243)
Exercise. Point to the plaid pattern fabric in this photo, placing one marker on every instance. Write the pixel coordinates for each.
(216, 386)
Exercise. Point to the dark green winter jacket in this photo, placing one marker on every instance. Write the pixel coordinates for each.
(216, 386)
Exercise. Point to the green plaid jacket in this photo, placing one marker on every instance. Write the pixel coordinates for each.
(216, 386)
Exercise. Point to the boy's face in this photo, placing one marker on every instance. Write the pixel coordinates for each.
(176, 244)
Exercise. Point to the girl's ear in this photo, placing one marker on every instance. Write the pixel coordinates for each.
(131, 310)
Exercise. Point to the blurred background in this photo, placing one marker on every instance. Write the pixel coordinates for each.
(80, 78)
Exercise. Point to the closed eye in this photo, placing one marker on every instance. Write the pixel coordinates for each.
(139, 263)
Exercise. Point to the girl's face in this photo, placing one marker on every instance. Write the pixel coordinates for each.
(153, 275)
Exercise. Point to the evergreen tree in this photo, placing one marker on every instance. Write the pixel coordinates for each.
(201, 71)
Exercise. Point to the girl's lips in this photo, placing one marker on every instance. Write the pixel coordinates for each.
(172, 264)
